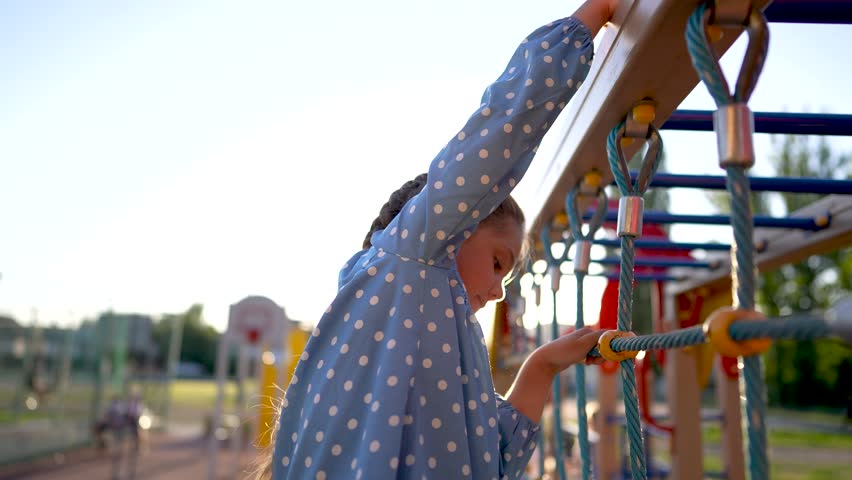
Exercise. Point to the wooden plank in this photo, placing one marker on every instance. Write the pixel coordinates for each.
(643, 55)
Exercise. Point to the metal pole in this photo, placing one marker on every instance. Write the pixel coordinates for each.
(175, 343)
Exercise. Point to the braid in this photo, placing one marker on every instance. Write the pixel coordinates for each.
(507, 210)
(394, 204)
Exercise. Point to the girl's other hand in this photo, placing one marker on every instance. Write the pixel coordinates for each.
(567, 350)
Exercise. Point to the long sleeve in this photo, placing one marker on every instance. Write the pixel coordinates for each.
(518, 438)
(478, 168)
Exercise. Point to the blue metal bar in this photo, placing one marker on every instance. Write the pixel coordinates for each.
(811, 224)
(641, 277)
(767, 122)
(659, 262)
(665, 245)
(824, 186)
(810, 11)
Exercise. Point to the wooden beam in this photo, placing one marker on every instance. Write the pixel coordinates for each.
(642, 55)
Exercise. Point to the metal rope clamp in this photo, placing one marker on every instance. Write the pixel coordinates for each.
(734, 122)
(734, 125)
(582, 256)
(583, 241)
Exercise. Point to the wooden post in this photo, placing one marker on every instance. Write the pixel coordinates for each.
(728, 393)
(608, 451)
(685, 405)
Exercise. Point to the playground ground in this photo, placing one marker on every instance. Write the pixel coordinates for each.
(173, 455)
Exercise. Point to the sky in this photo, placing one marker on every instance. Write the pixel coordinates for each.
(159, 154)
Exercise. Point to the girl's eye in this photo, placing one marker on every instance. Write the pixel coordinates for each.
(497, 265)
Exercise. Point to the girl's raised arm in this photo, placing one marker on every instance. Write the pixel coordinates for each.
(483, 162)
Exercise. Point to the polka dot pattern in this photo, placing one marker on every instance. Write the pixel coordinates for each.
(394, 381)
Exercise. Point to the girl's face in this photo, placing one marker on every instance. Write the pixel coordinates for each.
(486, 258)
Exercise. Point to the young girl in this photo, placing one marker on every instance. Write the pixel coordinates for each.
(395, 381)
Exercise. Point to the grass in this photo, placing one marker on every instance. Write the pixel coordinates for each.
(202, 394)
(803, 442)
(7, 416)
(192, 401)
(783, 437)
(780, 469)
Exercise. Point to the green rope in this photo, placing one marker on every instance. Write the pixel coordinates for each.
(581, 240)
(707, 66)
(799, 327)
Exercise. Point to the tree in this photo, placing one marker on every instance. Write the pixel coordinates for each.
(809, 373)
(8, 322)
(199, 339)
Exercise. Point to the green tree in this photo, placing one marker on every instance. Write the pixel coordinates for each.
(199, 339)
(801, 374)
(8, 322)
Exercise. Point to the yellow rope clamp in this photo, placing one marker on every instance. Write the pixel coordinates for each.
(717, 329)
(560, 220)
(605, 348)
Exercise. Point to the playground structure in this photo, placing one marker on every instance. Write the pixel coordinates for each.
(643, 70)
(260, 333)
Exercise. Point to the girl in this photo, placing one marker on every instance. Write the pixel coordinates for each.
(395, 381)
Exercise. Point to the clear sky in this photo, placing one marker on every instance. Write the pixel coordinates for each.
(158, 154)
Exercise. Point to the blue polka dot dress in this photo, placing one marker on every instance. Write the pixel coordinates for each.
(395, 380)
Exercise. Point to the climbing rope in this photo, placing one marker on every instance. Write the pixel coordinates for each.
(836, 322)
(538, 342)
(630, 208)
(555, 277)
(734, 125)
(582, 250)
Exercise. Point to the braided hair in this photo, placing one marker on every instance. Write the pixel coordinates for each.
(508, 209)
(394, 205)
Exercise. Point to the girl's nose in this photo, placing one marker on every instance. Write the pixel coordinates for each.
(497, 292)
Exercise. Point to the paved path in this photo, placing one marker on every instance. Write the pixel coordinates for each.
(169, 456)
